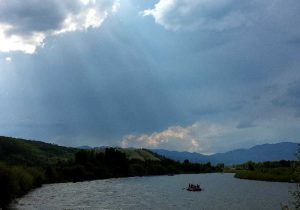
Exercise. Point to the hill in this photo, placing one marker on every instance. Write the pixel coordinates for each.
(131, 153)
(259, 153)
(140, 154)
(27, 152)
(32, 153)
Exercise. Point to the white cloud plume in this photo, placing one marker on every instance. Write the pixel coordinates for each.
(216, 15)
(24, 25)
(196, 137)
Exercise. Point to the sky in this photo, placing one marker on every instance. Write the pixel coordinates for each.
(202, 76)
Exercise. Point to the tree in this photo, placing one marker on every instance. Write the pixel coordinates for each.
(296, 193)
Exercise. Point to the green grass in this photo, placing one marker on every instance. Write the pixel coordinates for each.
(25, 152)
(274, 174)
(139, 154)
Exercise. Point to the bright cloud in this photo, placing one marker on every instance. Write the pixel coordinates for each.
(216, 15)
(24, 25)
(15, 42)
(8, 59)
(196, 137)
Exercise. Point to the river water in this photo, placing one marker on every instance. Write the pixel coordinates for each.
(221, 191)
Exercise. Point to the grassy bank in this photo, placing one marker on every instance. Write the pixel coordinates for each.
(277, 171)
(275, 175)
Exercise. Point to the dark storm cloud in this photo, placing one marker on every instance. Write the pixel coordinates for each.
(33, 16)
(290, 97)
(294, 41)
(245, 124)
(25, 24)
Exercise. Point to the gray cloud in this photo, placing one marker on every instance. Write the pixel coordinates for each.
(25, 24)
(30, 16)
(294, 41)
(270, 20)
(205, 15)
(132, 78)
(290, 98)
(245, 124)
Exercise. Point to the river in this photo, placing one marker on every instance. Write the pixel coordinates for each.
(221, 191)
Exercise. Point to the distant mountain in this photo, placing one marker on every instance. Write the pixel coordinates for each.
(181, 156)
(84, 147)
(259, 153)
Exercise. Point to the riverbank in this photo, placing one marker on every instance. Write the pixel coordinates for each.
(276, 171)
(273, 175)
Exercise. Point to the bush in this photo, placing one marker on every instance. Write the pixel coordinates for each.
(8, 186)
(16, 181)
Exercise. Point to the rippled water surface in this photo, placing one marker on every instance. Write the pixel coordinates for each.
(221, 191)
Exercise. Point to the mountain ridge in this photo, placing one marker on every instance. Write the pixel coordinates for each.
(257, 153)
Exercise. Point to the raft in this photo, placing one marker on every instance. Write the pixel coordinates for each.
(194, 189)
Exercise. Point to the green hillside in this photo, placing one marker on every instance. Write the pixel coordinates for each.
(32, 153)
(19, 151)
(139, 154)
(133, 153)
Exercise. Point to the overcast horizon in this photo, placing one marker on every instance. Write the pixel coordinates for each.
(203, 76)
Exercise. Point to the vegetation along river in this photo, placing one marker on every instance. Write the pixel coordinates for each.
(221, 191)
